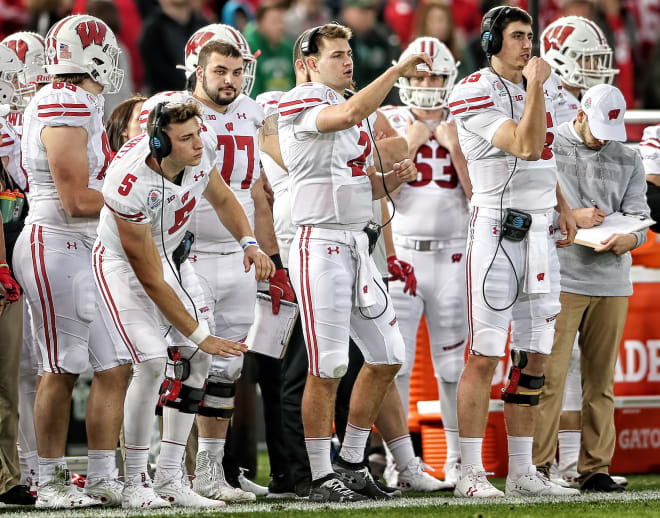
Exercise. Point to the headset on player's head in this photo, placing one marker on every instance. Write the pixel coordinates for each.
(308, 44)
(159, 142)
(491, 34)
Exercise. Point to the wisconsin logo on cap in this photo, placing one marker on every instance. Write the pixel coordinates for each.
(613, 114)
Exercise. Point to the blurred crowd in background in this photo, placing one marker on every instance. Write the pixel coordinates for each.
(153, 32)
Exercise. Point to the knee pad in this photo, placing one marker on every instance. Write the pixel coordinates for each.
(84, 298)
(226, 369)
(184, 398)
(174, 393)
(219, 399)
(531, 385)
(448, 368)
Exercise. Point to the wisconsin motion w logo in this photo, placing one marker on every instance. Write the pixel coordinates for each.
(556, 38)
(91, 32)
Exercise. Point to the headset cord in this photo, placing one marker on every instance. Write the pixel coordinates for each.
(499, 241)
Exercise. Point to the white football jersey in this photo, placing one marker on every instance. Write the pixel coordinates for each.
(480, 104)
(567, 110)
(434, 206)
(237, 151)
(62, 104)
(328, 171)
(649, 148)
(10, 147)
(134, 192)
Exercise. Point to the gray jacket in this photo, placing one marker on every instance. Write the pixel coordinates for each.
(613, 178)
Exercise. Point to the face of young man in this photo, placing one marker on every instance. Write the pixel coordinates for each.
(187, 146)
(334, 64)
(584, 131)
(221, 80)
(516, 45)
(133, 127)
(432, 81)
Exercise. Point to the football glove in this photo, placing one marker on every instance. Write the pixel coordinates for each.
(11, 286)
(280, 288)
(402, 271)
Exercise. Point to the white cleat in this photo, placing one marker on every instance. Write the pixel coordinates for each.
(414, 478)
(139, 494)
(60, 493)
(618, 479)
(178, 493)
(534, 483)
(250, 486)
(209, 481)
(391, 474)
(474, 484)
(108, 491)
(452, 473)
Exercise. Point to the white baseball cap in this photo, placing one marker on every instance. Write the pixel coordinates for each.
(605, 108)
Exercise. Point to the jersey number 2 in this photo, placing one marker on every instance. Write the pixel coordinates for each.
(357, 164)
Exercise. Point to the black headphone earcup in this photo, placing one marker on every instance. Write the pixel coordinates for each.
(159, 142)
(485, 41)
(495, 41)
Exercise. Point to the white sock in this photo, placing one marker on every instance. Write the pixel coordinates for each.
(101, 464)
(520, 455)
(318, 452)
(402, 450)
(176, 429)
(137, 458)
(214, 447)
(569, 449)
(30, 463)
(47, 468)
(355, 442)
(170, 459)
(453, 448)
(471, 453)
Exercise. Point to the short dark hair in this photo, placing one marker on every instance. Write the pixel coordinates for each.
(269, 6)
(513, 14)
(119, 119)
(220, 47)
(73, 78)
(175, 114)
(329, 31)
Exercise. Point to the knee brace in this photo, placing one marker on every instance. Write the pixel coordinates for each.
(219, 399)
(531, 384)
(173, 393)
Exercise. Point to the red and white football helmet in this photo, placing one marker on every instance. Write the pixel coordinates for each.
(83, 44)
(30, 48)
(577, 51)
(14, 88)
(443, 64)
(226, 33)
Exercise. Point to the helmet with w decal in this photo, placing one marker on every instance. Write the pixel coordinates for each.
(30, 48)
(14, 90)
(577, 51)
(429, 98)
(226, 33)
(83, 44)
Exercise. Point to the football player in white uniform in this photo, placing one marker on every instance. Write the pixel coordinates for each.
(577, 51)
(30, 48)
(429, 230)
(154, 186)
(220, 58)
(326, 147)
(505, 120)
(65, 153)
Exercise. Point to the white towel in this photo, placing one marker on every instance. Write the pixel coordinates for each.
(537, 278)
(365, 287)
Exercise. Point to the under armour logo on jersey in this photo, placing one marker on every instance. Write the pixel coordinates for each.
(330, 250)
(551, 230)
(205, 309)
(455, 258)
(241, 116)
(229, 126)
(72, 245)
(365, 289)
(193, 258)
(91, 32)
(198, 176)
(495, 230)
(540, 277)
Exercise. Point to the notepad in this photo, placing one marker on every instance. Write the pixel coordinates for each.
(615, 223)
(270, 334)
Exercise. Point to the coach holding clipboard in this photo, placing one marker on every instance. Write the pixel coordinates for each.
(597, 173)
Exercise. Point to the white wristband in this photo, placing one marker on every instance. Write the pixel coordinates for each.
(248, 241)
(200, 334)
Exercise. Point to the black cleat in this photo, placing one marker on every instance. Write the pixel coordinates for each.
(356, 476)
(18, 495)
(601, 483)
(331, 489)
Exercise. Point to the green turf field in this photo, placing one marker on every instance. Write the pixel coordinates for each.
(642, 499)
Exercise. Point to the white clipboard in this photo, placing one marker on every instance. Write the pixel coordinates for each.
(615, 223)
(270, 334)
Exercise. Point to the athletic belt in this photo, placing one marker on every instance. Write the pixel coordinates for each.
(339, 226)
(427, 245)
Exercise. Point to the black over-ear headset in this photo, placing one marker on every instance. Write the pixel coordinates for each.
(159, 142)
(491, 34)
(308, 44)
